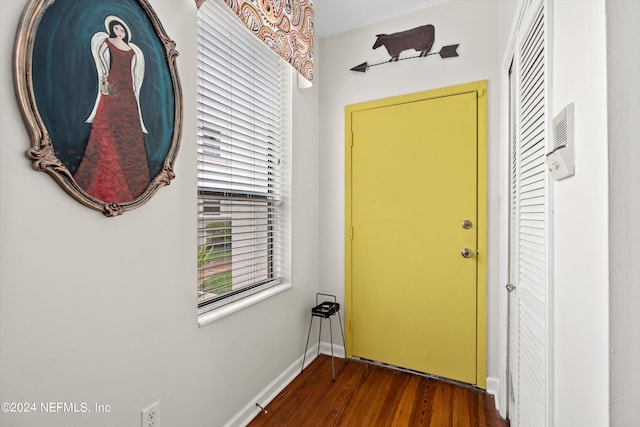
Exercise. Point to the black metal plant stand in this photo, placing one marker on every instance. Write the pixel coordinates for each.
(325, 310)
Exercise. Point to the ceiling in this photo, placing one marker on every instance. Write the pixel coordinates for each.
(335, 16)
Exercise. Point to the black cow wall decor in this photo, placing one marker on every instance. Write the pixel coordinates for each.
(419, 39)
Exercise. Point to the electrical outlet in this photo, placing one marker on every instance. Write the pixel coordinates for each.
(151, 415)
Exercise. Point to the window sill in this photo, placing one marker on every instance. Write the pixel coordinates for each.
(227, 310)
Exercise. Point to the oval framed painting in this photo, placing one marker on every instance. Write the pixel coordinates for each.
(99, 91)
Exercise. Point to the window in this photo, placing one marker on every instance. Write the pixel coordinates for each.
(241, 116)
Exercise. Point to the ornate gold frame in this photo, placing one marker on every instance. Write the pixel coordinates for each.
(42, 153)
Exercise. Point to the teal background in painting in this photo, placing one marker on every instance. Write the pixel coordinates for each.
(65, 80)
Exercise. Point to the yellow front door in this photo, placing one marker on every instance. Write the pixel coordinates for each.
(413, 214)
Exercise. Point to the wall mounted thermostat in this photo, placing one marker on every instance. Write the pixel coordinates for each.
(561, 161)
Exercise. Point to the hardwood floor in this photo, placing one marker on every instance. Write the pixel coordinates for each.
(366, 394)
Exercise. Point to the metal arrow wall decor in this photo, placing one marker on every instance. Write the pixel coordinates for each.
(419, 39)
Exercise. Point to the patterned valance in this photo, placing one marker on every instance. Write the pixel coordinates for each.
(286, 26)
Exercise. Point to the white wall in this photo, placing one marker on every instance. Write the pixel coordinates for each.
(507, 11)
(623, 32)
(473, 24)
(581, 218)
(103, 310)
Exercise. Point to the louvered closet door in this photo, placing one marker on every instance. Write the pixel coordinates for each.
(529, 228)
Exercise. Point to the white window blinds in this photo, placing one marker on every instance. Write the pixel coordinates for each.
(240, 129)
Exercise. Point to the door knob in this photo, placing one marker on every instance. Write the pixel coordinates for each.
(466, 224)
(467, 253)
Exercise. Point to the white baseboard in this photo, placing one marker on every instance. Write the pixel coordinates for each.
(250, 411)
(338, 350)
(493, 388)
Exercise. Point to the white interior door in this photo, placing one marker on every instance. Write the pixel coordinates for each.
(512, 259)
(529, 375)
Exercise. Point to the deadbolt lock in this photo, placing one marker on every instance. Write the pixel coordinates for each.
(466, 224)
(467, 253)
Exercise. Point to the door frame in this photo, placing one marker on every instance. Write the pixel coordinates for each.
(479, 87)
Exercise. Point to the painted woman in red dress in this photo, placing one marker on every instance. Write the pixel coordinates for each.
(114, 167)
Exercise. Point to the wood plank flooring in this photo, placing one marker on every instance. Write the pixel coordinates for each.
(366, 394)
